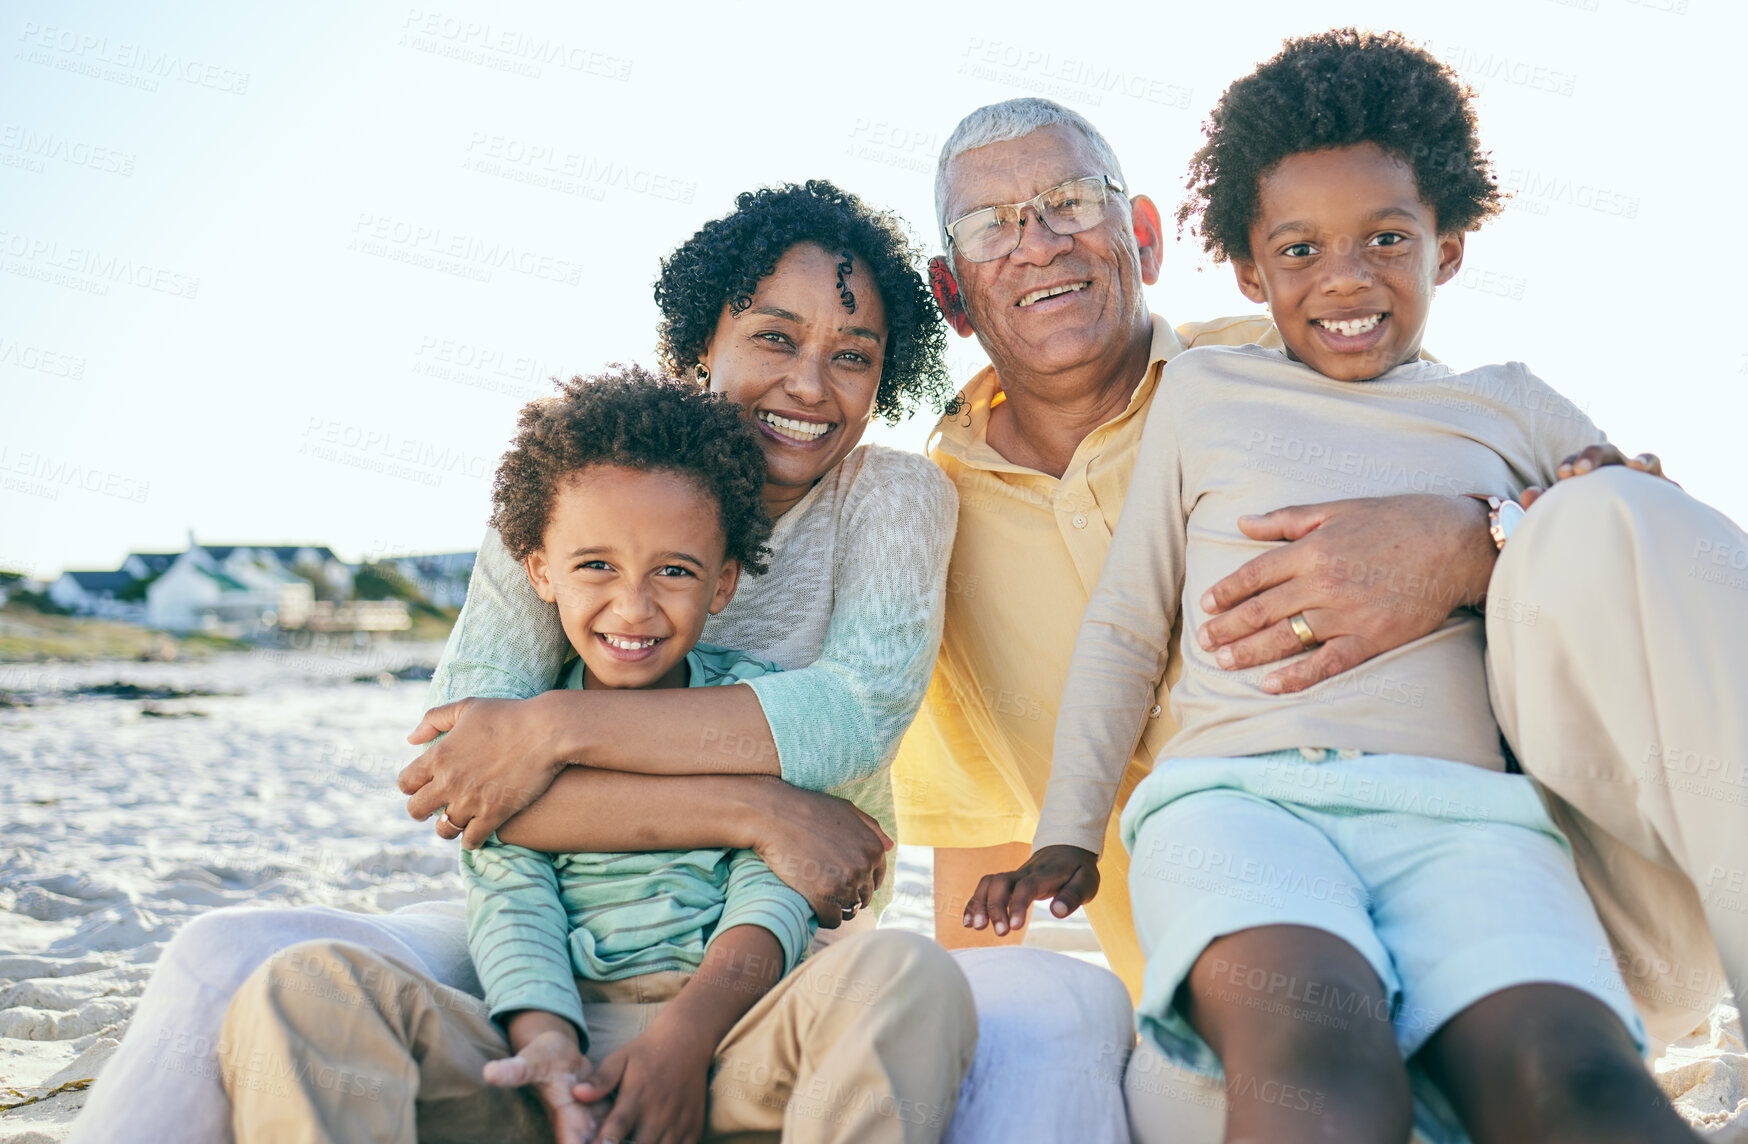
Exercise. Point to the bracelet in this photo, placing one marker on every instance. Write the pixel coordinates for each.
(1503, 517)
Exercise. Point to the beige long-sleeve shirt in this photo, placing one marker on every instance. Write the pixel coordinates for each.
(1247, 430)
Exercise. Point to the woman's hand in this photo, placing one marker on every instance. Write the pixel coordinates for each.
(1367, 575)
(1066, 874)
(499, 756)
(825, 849)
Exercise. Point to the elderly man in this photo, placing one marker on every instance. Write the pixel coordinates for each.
(1599, 610)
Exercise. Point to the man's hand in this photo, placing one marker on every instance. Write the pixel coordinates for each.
(825, 849)
(1368, 575)
(1067, 874)
(499, 756)
(549, 1060)
(658, 1083)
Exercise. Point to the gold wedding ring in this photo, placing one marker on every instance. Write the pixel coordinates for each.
(1303, 630)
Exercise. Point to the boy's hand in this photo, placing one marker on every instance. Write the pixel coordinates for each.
(552, 1064)
(658, 1083)
(1067, 873)
(1595, 457)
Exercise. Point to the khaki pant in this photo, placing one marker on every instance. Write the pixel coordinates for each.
(867, 1040)
(1617, 654)
(1617, 647)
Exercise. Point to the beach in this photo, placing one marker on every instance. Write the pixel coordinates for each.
(137, 795)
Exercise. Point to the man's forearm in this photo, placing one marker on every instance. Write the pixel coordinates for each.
(594, 811)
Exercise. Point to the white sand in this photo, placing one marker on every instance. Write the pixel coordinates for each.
(120, 826)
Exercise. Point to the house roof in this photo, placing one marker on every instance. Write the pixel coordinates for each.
(155, 562)
(222, 580)
(101, 581)
(284, 553)
(287, 553)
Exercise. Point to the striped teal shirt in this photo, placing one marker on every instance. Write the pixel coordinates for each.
(536, 920)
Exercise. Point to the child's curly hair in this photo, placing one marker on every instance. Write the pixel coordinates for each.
(1337, 89)
(632, 418)
(725, 261)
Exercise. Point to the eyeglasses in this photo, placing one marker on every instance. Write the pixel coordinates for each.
(1068, 208)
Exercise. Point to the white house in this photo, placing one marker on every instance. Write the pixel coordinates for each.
(94, 594)
(237, 591)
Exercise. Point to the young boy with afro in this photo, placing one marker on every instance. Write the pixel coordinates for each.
(634, 503)
(1340, 887)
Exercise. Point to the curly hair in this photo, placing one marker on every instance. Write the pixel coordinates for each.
(1337, 89)
(632, 418)
(725, 261)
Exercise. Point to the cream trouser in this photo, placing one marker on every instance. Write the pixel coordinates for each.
(1617, 654)
(329, 1041)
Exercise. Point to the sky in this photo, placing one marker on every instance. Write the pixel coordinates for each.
(284, 274)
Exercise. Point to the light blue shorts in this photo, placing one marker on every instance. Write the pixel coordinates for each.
(1450, 880)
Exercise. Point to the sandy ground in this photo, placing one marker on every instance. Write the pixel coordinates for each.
(123, 817)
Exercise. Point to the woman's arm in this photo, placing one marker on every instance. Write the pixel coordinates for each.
(820, 727)
(822, 847)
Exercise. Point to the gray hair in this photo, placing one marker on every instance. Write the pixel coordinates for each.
(1009, 120)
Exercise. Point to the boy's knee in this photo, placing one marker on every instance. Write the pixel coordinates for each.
(1596, 512)
(319, 967)
(1570, 1082)
(916, 973)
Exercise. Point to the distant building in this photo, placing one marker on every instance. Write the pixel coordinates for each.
(440, 577)
(236, 589)
(96, 594)
(242, 589)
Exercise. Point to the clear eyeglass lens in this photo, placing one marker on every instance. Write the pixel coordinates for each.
(991, 233)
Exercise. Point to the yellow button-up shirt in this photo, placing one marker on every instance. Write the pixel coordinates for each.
(973, 769)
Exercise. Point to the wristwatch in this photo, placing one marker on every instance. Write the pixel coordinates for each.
(1502, 517)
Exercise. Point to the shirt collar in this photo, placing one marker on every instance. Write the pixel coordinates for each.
(964, 435)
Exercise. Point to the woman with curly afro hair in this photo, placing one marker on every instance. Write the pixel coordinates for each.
(805, 307)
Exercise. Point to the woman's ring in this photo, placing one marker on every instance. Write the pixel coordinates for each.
(1303, 630)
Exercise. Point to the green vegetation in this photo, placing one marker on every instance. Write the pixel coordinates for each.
(32, 636)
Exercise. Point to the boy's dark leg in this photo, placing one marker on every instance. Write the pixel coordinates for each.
(1302, 1028)
(1548, 1063)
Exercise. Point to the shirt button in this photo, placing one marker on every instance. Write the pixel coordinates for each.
(1153, 711)
(1079, 520)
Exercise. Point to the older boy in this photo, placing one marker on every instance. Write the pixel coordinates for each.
(1381, 884)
